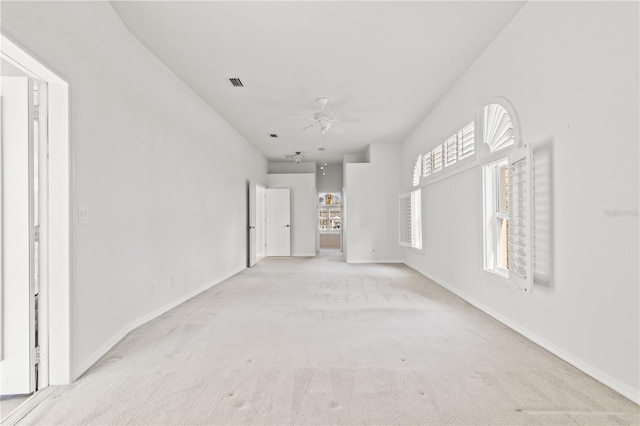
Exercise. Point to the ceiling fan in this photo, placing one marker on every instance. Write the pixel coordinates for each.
(325, 119)
(297, 157)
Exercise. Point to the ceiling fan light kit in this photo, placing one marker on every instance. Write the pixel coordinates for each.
(324, 118)
(297, 157)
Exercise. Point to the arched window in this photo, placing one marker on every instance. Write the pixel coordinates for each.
(417, 171)
(499, 131)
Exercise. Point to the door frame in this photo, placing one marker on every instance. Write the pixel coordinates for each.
(55, 280)
(252, 243)
(261, 222)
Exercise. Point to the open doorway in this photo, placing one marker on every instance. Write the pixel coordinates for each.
(34, 226)
(330, 221)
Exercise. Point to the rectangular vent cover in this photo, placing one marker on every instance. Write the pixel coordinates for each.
(236, 82)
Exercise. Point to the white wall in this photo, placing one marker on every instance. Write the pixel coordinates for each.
(163, 175)
(303, 209)
(571, 71)
(371, 191)
(331, 181)
(348, 159)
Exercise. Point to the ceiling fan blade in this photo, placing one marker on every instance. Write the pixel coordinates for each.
(308, 127)
(299, 118)
(348, 120)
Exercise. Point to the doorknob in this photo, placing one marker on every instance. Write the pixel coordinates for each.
(286, 226)
(251, 227)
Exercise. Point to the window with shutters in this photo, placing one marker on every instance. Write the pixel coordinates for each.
(496, 180)
(457, 147)
(411, 219)
(507, 199)
(508, 219)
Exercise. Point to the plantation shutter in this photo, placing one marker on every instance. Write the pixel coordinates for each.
(519, 234)
(405, 219)
(437, 158)
(466, 142)
(451, 150)
(498, 127)
(426, 164)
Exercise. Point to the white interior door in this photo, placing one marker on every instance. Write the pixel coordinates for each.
(278, 222)
(17, 371)
(252, 224)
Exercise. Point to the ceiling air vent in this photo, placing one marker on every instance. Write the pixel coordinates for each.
(236, 82)
(273, 135)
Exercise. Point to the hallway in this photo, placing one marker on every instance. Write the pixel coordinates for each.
(319, 341)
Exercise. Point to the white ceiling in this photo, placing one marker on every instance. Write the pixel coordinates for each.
(387, 63)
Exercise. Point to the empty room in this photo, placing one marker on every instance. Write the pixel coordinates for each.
(320, 212)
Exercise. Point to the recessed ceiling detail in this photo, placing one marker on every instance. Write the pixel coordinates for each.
(236, 82)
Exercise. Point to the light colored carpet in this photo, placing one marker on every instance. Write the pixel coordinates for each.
(317, 341)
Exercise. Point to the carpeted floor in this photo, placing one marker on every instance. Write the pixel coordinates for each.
(317, 341)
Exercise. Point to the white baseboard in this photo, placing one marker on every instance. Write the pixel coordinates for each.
(622, 388)
(119, 335)
(374, 261)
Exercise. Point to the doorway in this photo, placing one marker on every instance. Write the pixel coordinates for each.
(22, 148)
(330, 221)
(35, 228)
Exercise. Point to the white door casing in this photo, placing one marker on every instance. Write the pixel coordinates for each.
(55, 207)
(278, 222)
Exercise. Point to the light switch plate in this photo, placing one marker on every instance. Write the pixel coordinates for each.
(83, 215)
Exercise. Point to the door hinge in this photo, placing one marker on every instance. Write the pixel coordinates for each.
(36, 233)
(36, 355)
(36, 112)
